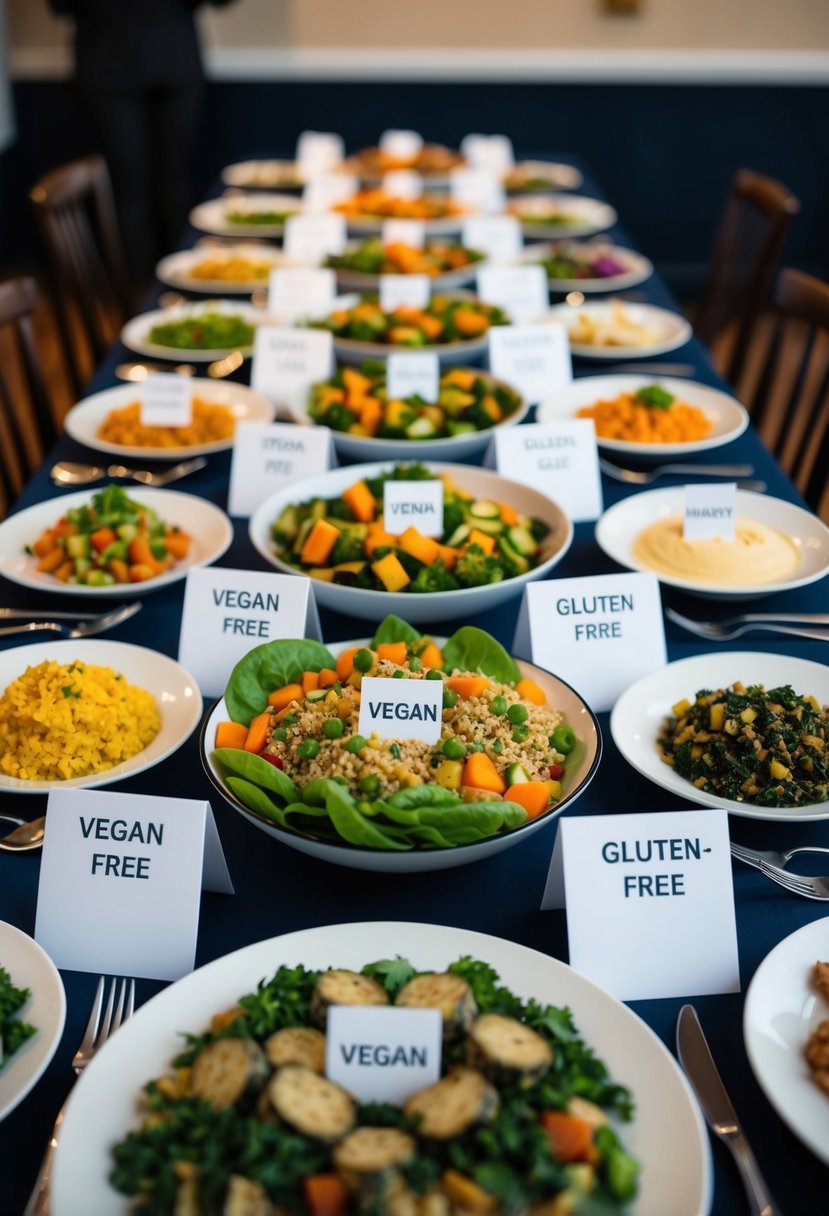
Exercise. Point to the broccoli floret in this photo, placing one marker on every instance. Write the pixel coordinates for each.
(349, 545)
(453, 516)
(473, 568)
(434, 578)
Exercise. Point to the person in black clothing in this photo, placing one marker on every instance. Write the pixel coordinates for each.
(139, 75)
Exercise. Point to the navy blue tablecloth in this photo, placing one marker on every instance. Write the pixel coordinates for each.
(279, 890)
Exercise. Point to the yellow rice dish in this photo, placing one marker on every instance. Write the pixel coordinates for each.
(60, 721)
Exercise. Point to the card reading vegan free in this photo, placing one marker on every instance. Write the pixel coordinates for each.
(269, 455)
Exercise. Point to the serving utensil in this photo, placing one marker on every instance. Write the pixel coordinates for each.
(637, 477)
(25, 837)
(754, 857)
(706, 1082)
(68, 473)
(733, 627)
(81, 629)
(810, 888)
(217, 370)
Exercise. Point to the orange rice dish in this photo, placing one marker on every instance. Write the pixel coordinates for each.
(210, 424)
(626, 418)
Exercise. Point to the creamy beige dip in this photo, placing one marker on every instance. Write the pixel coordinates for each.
(758, 554)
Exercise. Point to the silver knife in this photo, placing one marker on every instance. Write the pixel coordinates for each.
(698, 1063)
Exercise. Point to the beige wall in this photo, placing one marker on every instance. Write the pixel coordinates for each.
(534, 24)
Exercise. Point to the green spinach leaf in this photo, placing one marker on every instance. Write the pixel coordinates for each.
(394, 629)
(471, 649)
(268, 667)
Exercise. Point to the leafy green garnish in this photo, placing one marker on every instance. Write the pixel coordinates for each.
(13, 1031)
(270, 666)
(394, 629)
(392, 973)
(471, 649)
(655, 398)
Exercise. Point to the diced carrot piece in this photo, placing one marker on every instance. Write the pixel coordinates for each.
(431, 656)
(481, 774)
(140, 572)
(257, 735)
(378, 538)
(50, 562)
(281, 697)
(119, 570)
(102, 539)
(178, 544)
(482, 539)
(394, 652)
(44, 544)
(345, 662)
(231, 734)
(140, 553)
(325, 1195)
(422, 547)
(570, 1137)
(310, 681)
(371, 414)
(448, 556)
(319, 543)
(64, 570)
(470, 323)
(530, 691)
(361, 501)
(355, 382)
(509, 515)
(328, 677)
(534, 796)
(431, 326)
(468, 686)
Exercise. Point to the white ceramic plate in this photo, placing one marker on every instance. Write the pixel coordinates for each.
(264, 175)
(212, 215)
(438, 605)
(640, 711)
(781, 1012)
(561, 696)
(454, 447)
(620, 525)
(208, 526)
(174, 689)
(85, 419)
(30, 967)
(554, 175)
(136, 333)
(727, 417)
(667, 1134)
(670, 330)
(581, 216)
(636, 268)
(176, 270)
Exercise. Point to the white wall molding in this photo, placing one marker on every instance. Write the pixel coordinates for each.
(577, 66)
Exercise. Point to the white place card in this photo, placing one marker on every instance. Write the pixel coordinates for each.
(383, 1054)
(296, 292)
(404, 232)
(535, 359)
(710, 511)
(491, 152)
(403, 183)
(477, 189)
(413, 374)
(319, 151)
(404, 291)
(121, 879)
(288, 360)
(558, 458)
(401, 145)
(498, 236)
(166, 400)
(323, 192)
(269, 455)
(309, 239)
(400, 709)
(228, 612)
(663, 881)
(521, 291)
(600, 633)
(413, 504)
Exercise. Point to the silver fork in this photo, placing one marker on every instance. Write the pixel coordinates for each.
(148, 478)
(98, 1030)
(636, 477)
(753, 857)
(723, 631)
(82, 628)
(798, 884)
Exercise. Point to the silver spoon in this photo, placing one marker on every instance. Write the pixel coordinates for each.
(139, 371)
(67, 473)
(25, 837)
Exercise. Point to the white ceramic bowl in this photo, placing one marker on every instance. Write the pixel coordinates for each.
(621, 524)
(136, 333)
(727, 417)
(212, 215)
(560, 696)
(454, 447)
(85, 419)
(584, 216)
(210, 530)
(670, 330)
(636, 268)
(176, 270)
(438, 605)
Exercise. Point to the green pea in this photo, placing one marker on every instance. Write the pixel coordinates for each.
(370, 783)
(434, 674)
(290, 719)
(563, 740)
(280, 733)
(518, 714)
(308, 749)
(497, 747)
(450, 698)
(363, 660)
(454, 749)
(519, 733)
(355, 744)
(332, 728)
(415, 663)
(399, 674)
(395, 751)
(498, 705)
(476, 746)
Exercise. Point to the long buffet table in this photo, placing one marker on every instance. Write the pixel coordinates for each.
(279, 890)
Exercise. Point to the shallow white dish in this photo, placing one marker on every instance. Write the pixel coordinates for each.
(667, 1134)
(669, 328)
(578, 715)
(621, 524)
(640, 711)
(136, 333)
(266, 174)
(84, 419)
(212, 215)
(208, 526)
(366, 447)
(437, 605)
(782, 1010)
(174, 689)
(727, 416)
(176, 269)
(581, 216)
(554, 175)
(30, 967)
(636, 268)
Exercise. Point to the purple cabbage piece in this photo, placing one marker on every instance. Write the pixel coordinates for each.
(606, 267)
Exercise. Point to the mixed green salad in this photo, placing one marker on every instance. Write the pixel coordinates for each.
(577, 262)
(445, 319)
(204, 331)
(13, 1030)
(520, 1121)
(264, 217)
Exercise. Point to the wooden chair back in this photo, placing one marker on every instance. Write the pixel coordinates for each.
(743, 263)
(790, 405)
(75, 214)
(27, 424)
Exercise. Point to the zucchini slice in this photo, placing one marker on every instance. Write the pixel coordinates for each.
(453, 1104)
(311, 1104)
(228, 1071)
(246, 1198)
(507, 1050)
(482, 508)
(297, 1045)
(446, 992)
(369, 1158)
(344, 988)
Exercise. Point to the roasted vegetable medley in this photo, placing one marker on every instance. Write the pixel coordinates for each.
(579, 262)
(742, 742)
(377, 204)
(435, 258)
(346, 540)
(357, 402)
(445, 319)
(520, 1120)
